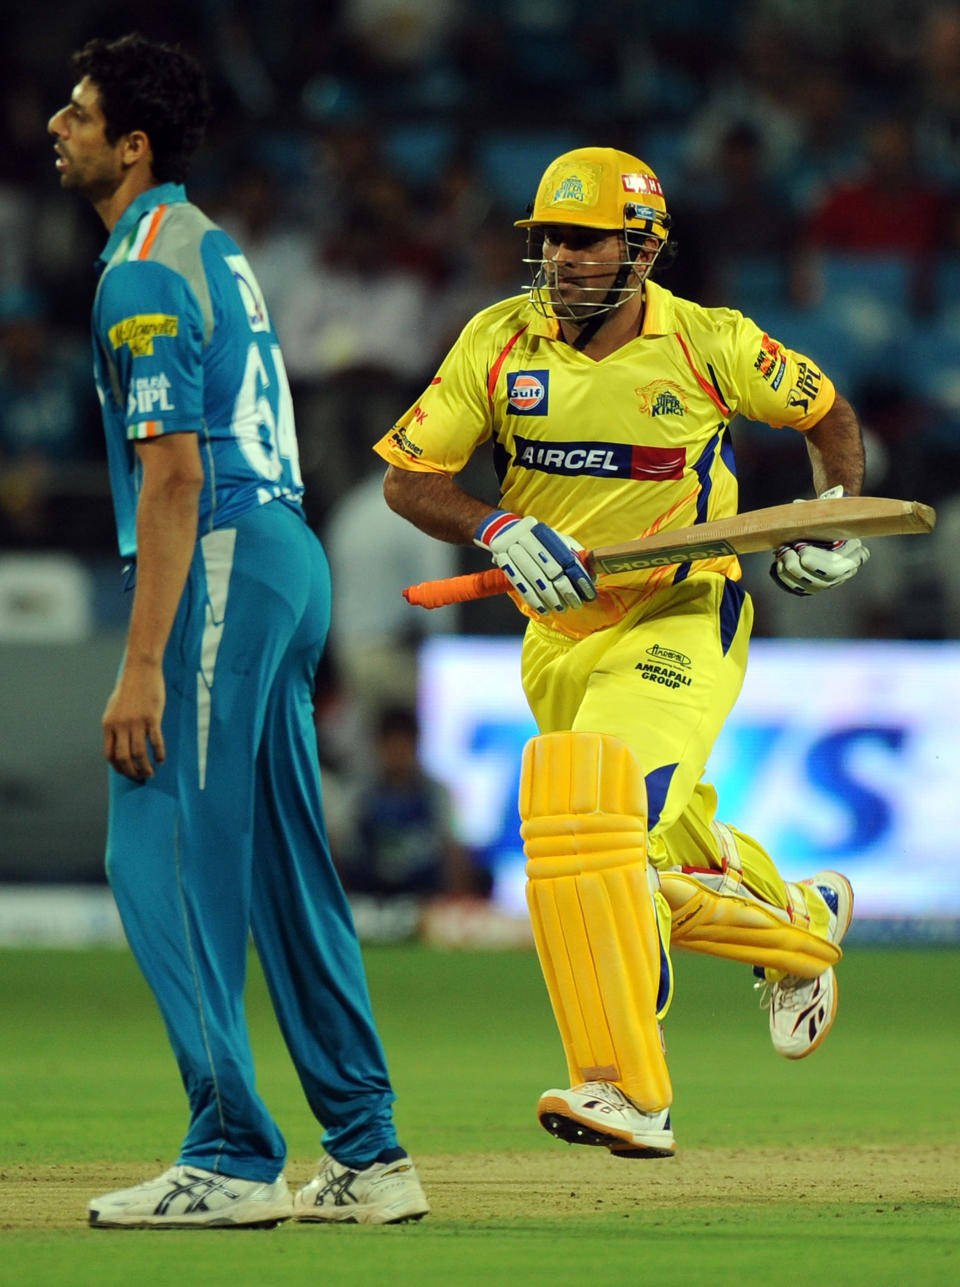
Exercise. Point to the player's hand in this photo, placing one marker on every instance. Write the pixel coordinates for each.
(806, 567)
(132, 737)
(541, 565)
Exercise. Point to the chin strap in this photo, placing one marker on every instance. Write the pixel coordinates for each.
(604, 310)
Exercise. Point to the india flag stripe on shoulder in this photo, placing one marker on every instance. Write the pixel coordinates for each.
(145, 234)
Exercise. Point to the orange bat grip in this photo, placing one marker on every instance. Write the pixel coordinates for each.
(457, 589)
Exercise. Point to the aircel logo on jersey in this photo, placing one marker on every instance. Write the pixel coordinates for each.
(140, 331)
(527, 392)
(149, 394)
(600, 459)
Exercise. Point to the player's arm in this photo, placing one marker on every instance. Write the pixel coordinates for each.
(540, 563)
(835, 447)
(435, 503)
(167, 512)
(777, 386)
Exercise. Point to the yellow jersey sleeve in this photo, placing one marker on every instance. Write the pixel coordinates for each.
(454, 414)
(764, 380)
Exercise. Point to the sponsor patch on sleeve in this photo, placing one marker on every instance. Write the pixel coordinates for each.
(399, 439)
(807, 387)
(770, 362)
(149, 395)
(139, 332)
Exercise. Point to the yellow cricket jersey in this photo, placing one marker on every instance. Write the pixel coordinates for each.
(612, 450)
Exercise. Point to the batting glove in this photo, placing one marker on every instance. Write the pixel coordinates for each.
(807, 567)
(541, 565)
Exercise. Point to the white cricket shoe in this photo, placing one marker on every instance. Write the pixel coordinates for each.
(188, 1197)
(382, 1193)
(802, 1011)
(599, 1113)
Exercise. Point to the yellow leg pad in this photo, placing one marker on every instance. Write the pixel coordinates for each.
(583, 821)
(742, 928)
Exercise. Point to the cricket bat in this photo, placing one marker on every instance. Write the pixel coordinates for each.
(760, 529)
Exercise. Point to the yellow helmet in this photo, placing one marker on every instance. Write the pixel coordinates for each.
(600, 187)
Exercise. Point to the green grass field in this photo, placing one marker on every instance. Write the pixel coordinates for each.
(841, 1169)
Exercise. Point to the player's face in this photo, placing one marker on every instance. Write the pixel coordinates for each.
(87, 162)
(581, 265)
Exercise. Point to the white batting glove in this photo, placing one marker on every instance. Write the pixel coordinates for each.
(806, 567)
(541, 564)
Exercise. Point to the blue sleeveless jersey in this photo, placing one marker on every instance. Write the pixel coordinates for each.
(183, 342)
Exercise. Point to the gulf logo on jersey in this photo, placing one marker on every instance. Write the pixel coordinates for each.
(527, 392)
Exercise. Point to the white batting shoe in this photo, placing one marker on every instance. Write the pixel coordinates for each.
(188, 1197)
(382, 1193)
(599, 1113)
(802, 1011)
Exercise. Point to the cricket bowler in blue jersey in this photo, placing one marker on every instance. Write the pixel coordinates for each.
(216, 825)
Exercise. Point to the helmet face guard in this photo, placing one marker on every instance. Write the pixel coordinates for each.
(606, 191)
(631, 272)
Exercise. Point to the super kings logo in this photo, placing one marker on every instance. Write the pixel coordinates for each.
(661, 398)
(571, 189)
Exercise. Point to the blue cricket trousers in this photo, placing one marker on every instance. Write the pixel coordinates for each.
(228, 837)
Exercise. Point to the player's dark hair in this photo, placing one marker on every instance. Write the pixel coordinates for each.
(149, 86)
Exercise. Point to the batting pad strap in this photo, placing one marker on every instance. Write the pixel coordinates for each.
(739, 927)
(583, 823)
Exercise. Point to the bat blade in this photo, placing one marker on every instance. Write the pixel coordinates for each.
(838, 519)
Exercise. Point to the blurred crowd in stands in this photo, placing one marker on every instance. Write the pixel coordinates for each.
(370, 156)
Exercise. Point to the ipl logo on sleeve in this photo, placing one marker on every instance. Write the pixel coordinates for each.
(527, 392)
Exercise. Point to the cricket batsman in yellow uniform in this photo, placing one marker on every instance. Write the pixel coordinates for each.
(607, 401)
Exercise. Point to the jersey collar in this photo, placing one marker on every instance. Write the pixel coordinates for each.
(657, 315)
(657, 310)
(162, 194)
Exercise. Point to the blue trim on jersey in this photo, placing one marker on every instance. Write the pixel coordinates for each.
(663, 990)
(731, 606)
(658, 784)
(702, 468)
